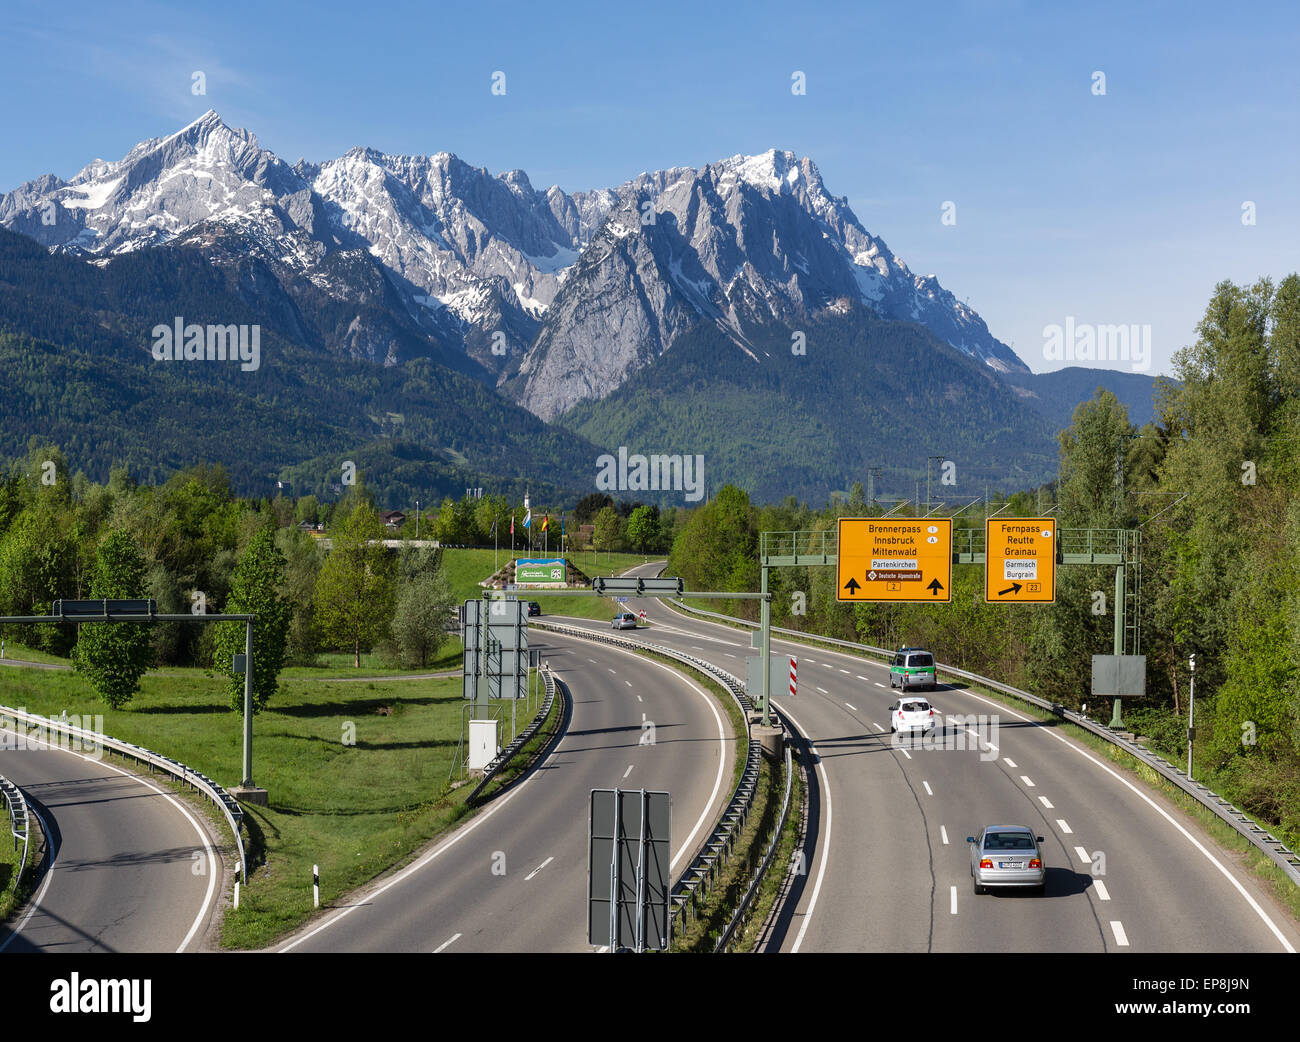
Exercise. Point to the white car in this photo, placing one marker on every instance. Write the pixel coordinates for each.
(912, 714)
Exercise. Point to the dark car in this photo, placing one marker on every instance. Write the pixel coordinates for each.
(534, 608)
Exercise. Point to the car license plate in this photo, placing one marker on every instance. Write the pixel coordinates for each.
(1011, 864)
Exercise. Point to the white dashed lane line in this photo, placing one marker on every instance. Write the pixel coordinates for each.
(879, 684)
(1102, 893)
(877, 727)
(1008, 761)
(629, 770)
(952, 899)
(823, 691)
(1082, 855)
(943, 835)
(928, 790)
(454, 938)
(851, 706)
(1060, 824)
(862, 678)
(1046, 802)
(1025, 778)
(1121, 938)
(547, 861)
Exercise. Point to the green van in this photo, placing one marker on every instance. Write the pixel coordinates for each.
(912, 667)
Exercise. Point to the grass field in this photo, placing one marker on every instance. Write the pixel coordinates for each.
(358, 773)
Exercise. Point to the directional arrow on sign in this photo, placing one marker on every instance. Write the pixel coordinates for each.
(934, 587)
(1013, 588)
(852, 585)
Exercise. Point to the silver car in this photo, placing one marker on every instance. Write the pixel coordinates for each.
(1007, 855)
(624, 620)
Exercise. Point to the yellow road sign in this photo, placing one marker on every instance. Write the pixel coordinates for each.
(894, 559)
(1020, 560)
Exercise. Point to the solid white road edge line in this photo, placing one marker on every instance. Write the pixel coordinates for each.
(452, 940)
(823, 854)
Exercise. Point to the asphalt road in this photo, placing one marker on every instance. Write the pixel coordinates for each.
(514, 877)
(891, 870)
(131, 868)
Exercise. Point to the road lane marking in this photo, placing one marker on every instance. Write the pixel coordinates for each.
(822, 855)
(851, 706)
(844, 671)
(879, 684)
(696, 647)
(1008, 761)
(877, 727)
(823, 691)
(629, 770)
(1083, 855)
(628, 683)
(613, 671)
(1121, 938)
(1025, 778)
(729, 654)
(1102, 893)
(1046, 802)
(905, 753)
(1060, 823)
(544, 863)
(928, 790)
(952, 899)
(593, 662)
(639, 698)
(1236, 884)
(36, 901)
(862, 678)
(454, 938)
(943, 835)
(505, 800)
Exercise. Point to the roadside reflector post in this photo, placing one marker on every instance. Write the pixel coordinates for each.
(315, 886)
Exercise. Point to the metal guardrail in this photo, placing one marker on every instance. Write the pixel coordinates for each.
(757, 878)
(520, 740)
(227, 804)
(1277, 852)
(702, 873)
(19, 822)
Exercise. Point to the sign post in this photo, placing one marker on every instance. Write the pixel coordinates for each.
(894, 559)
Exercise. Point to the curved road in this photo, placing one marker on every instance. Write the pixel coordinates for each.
(891, 869)
(130, 868)
(514, 877)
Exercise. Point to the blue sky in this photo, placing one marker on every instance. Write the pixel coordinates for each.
(1123, 208)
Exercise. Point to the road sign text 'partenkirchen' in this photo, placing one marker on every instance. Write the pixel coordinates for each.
(894, 559)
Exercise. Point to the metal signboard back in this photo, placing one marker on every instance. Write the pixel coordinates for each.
(1119, 676)
(628, 873)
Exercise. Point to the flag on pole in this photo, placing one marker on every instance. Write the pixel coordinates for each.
(561, 523)
(546, 520)
(512, 522)
(528, 519)
(494, 528)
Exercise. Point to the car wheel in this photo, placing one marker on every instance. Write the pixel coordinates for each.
(974, 885)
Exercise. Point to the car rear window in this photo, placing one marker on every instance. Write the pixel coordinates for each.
(916, 707)
(921, 660)
(1009, 841)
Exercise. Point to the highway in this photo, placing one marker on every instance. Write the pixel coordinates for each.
(891, 868)
(131, 868)
(514, 876)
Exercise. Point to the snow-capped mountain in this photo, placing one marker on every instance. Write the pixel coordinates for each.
(561, 295)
